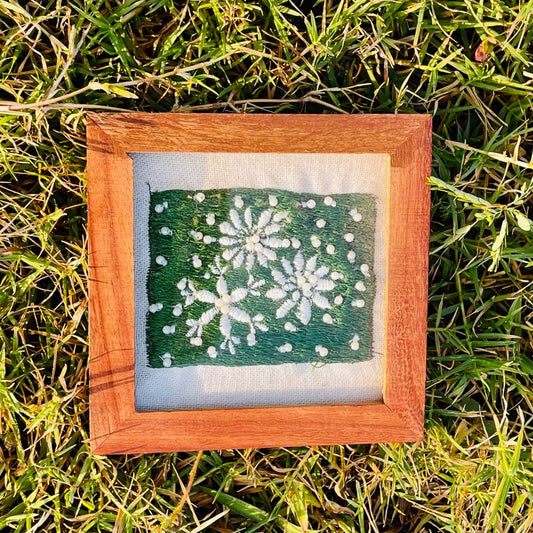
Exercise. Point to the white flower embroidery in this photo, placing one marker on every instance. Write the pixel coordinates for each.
(249, 241)
(303, 284)
(223, 306)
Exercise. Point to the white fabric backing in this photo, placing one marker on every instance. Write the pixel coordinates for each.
(205, 386)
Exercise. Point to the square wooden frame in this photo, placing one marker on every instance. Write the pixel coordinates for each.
(115, 426)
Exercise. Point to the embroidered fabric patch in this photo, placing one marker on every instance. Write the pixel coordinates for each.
(259, 277)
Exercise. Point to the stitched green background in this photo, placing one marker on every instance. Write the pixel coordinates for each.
(183, 214)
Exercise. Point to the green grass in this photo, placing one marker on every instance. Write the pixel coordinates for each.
(473, 472)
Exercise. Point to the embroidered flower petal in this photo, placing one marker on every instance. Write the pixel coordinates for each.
(324, 285)
(311, 263)
(205, 296)
(286, 306)
(278, 276)
(228, 253)
(273, 242)
(228, 229)
(271, 229)
(225, 326)
(281, 215)
(235, 219)
(321, 301)
(299, 261)
(207, 316)
(238, 294)
(262, 260)
(321, 272)
(287, 266)
(304, 311)
(248, 217)
(239, 315)
(250, 262)
(227, 241)
(239, 259)
(222, 286)
(276, 294)
(264, 218)
(270, 254)
(261, 326)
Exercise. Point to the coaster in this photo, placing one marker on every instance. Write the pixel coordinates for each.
(256, 280)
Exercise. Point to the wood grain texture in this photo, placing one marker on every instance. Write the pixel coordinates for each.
(115, 425)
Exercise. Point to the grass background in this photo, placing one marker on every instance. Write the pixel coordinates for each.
(58, 59)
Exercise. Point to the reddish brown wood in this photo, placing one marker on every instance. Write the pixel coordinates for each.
(115, 425)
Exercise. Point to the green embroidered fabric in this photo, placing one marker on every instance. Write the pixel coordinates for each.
(259, 277)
